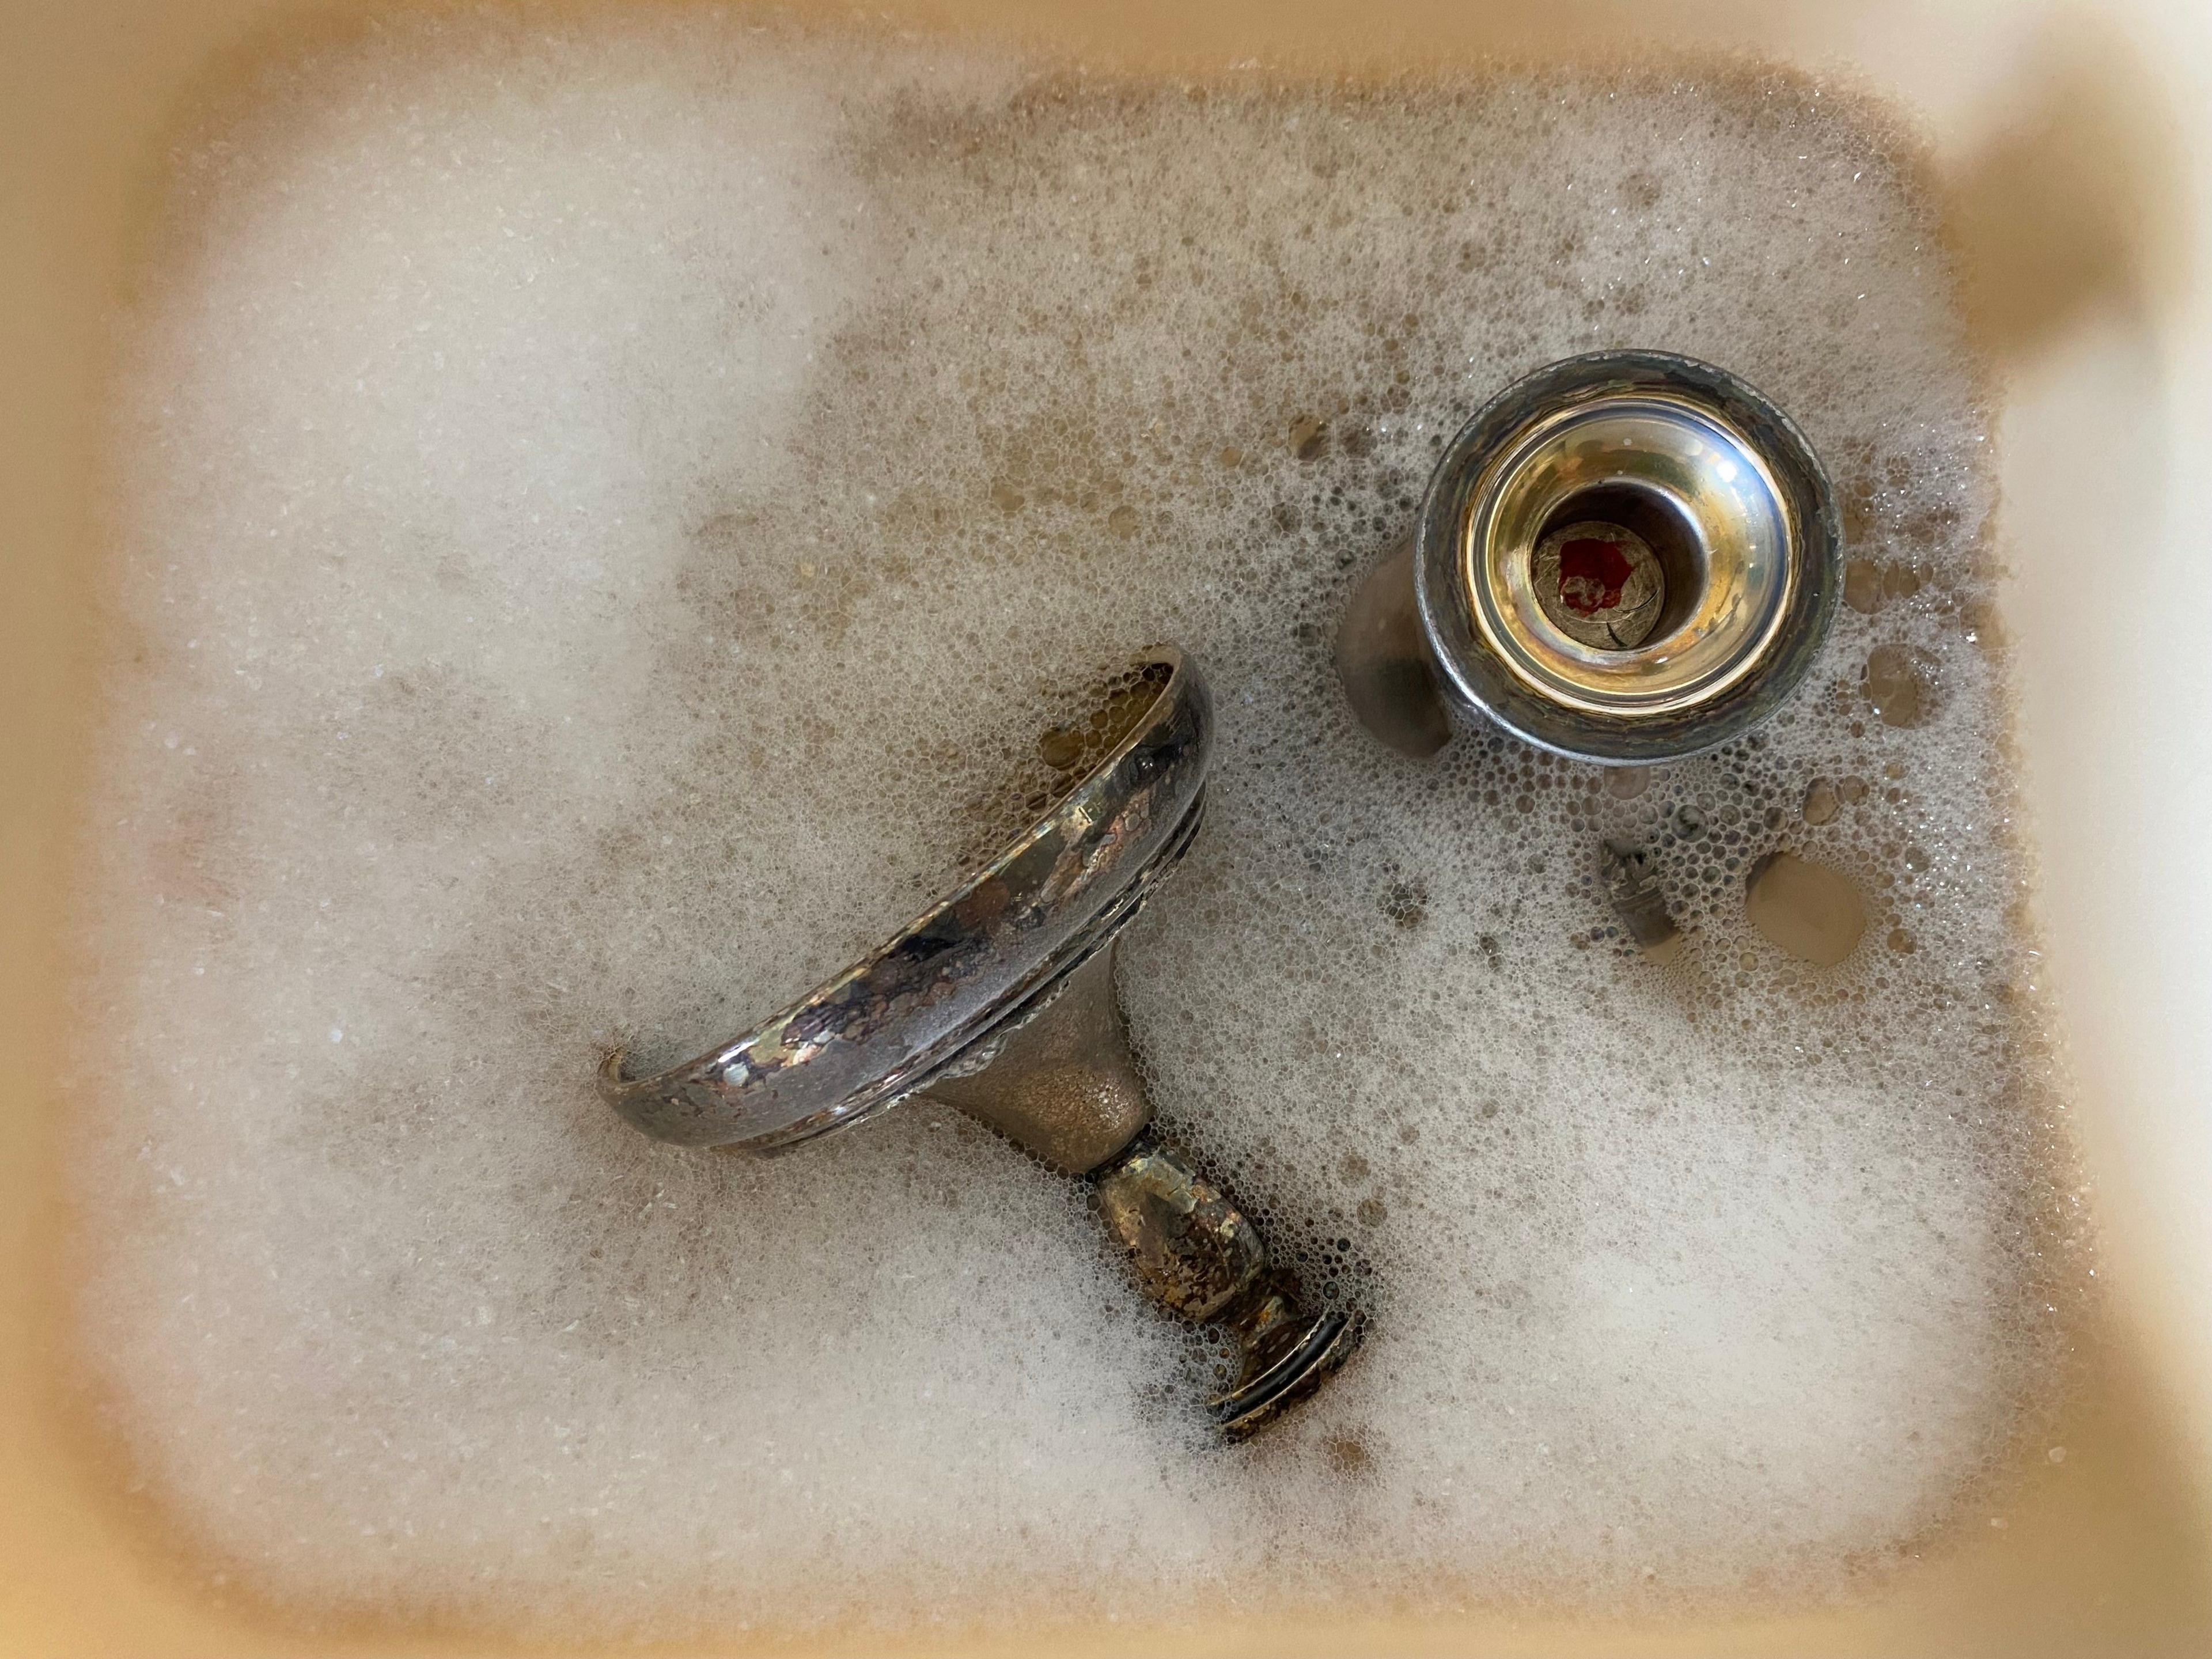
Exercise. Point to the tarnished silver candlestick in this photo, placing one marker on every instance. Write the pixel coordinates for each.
(999, 1000)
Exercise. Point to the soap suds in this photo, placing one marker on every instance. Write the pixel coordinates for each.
(601, 508)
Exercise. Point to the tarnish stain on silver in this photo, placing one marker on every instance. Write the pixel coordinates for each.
(999, 1000)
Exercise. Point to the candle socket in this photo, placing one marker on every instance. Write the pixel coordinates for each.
(1626, 557)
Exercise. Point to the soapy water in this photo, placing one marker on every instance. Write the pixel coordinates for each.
(607, 515)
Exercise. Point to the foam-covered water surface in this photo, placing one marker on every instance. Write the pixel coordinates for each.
(604, 514)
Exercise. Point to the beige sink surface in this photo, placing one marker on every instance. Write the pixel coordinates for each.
(2079, 152)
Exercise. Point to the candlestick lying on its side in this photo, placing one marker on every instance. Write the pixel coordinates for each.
(1000, 1001)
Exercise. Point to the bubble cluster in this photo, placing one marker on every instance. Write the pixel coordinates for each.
(606, 514)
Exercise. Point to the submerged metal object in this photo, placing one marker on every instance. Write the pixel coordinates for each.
(1627, 557)
(1632, 888)
(999, 1000)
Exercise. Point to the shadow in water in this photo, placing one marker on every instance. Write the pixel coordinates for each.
(2065, 211)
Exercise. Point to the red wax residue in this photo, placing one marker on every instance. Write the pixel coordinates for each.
(1592, 572)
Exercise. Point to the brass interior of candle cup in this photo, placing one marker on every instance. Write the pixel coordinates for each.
(1688, 489)
(1627, 556)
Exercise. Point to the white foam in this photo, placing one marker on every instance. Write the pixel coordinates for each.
(602, 507)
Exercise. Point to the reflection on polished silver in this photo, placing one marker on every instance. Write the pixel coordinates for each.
(1627, 558)
(1000, 1001)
